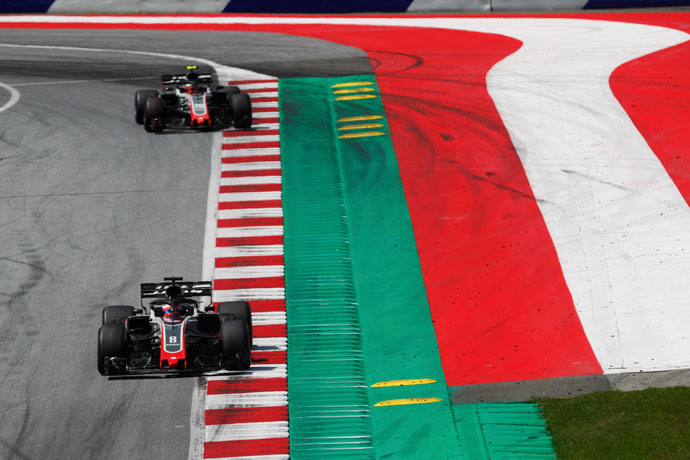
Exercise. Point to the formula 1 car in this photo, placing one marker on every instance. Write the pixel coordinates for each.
(175, 333)
(192, 101)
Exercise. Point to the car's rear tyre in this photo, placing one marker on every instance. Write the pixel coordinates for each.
(140, 98)
(114, 314)
(153, 110)
(227, 90)
(241, 110)
(240, 310)
(112, 343)
(235, 339)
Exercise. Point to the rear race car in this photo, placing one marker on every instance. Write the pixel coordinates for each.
(174, 332)
(192, 101)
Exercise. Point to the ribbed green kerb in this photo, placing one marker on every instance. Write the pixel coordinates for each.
(328, 402)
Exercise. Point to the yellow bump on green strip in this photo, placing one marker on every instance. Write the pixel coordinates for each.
(352, 98)
(352, 83)
(406, 402)
(365, 126)
(354, 90)
(354, 135)
(401, 383)
(360, 118)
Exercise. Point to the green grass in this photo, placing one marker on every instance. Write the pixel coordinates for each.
(650, 424)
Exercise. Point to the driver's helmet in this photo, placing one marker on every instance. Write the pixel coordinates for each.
(173, 311)
(188, 88)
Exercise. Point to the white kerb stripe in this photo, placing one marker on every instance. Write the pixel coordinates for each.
(255, 399)
(249, 294)
(265, 271)
(251, 152)
(266, 125)
(265, 104)
(267, 85)
(250, 251)
(249, 213)
(251, 166)
(236, 232)
(249, 196)
(263, 94)
(241, 431)
(269, 317)
(261, 371)
(258, 137)
(251, 180)
(270, 114)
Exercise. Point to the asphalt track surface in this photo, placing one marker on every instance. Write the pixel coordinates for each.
(90, 206)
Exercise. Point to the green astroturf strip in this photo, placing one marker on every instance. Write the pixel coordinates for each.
(328, 401)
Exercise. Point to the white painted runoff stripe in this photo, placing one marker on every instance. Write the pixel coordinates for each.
(250, 251)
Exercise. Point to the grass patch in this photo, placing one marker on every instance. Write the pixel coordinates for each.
(649, 424)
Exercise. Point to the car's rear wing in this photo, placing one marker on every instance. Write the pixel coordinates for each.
(187, 288)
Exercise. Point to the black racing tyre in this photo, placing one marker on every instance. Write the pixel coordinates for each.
(235, 340)
(227, 90)
(153, 109)
(241, 110)
(240, 310)
(140, 103)
(112, 342)
(115, 314)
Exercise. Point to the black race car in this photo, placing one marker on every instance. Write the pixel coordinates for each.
(192, 100)
(175, 333)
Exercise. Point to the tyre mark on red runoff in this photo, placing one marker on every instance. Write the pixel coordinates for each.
(501, 308)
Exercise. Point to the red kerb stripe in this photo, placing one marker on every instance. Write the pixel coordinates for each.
(253, 222)
(251, 145)
(247, 448)
(264, 109)
(264, 121)
(252, 173)
(246, 415)
(250, 188)
(269, 357)
(251, 159)
(264, 99)
(249, 241)
(249, 283)
(218, 387)
(226, 205)
(269, 330)
(259, 132)
(253, 261)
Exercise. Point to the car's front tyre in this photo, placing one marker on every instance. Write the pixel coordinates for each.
(112, 343)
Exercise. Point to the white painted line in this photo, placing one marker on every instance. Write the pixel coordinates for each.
(255, 399)
(238, 232)
(251, 166)
(253, 137)
(249, 196)
(250, 213)
(268, 271)
(228, 295)
(235, 153)
(14, 97)
(242, 431)
(250, 251)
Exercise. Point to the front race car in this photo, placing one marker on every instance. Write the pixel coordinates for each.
(174, 332)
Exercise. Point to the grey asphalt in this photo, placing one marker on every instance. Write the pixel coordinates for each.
(90, 206)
